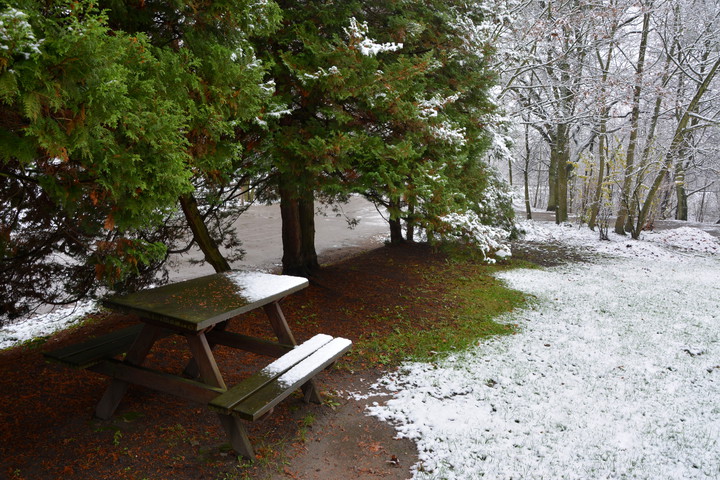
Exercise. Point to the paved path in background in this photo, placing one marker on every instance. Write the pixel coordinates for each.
(259, 229)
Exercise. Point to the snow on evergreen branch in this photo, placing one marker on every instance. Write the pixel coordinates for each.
(468, 226)
(357, 35)
(16, 34)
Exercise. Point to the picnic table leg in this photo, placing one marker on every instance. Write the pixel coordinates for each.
(191, 369)
(204, 360)
(210, 374)
(284, 335)
(134, 356)
(237, 435)
(279, 324)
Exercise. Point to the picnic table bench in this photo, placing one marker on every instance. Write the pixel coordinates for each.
(199, 310)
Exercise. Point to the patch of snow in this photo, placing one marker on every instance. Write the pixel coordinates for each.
(322, 356)
(651, 245)
(449, 133)
(614, 373)
(41, 325)
(686, 238)
(296, 354)
(357, 34)
(256, 286)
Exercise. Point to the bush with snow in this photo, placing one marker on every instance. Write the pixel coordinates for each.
(468, 228)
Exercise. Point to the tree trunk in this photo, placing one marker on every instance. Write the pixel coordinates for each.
(291, 233)
(510, 165)
(682, 207)
(202, 236)
(681, 213)
(526, 180)
(410, 227)
(396, 234)
(602, 152)
(625, 213)
(552, 180)
(297, 210)
(562, 155)
(528, 209)
(306, 206)
(675, 145)
(605, 64)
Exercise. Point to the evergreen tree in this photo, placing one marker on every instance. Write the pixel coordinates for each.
(107, 116)
(384, 98)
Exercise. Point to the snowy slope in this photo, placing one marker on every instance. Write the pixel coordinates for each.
(614, 374)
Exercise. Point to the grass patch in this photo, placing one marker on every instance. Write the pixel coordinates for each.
(472, 299)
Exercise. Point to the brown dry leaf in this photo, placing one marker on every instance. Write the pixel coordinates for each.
(109, 222)
(372, 446)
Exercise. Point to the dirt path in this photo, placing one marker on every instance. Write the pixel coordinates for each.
(346, 443)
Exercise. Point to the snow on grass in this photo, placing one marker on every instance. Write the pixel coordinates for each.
(44, 324)
(615, 372)
(666, 244)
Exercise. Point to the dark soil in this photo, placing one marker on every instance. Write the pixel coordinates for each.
(48, 430)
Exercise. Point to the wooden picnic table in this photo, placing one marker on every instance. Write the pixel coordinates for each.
(199, 309)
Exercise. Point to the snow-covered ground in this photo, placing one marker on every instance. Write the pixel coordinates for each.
(614, 374)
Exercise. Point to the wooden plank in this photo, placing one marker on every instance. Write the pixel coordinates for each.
(92, 351)
(250, 385)
(284, 335)
(279, 323)
(160, 381)
(196, 304)
(204, 359)
(136, 354)
(237, 434)
(248, 344)
(266, 398)
(256, 404)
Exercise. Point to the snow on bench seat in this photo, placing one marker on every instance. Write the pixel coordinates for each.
(255, 396)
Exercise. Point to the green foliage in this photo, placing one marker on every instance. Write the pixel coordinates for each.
(90, 124)
(109, 113)
(111, 110)
(384, 98)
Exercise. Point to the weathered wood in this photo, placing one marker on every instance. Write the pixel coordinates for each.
(163, 382)
(253, 383)
(237, 434)
(199, 303)
(284, 334)
(273, 393)
(90, 352)
(136, 354)
(279, 324)
(256, 395)
(205, 361)
(248, 344)
(191, 369)
(197, 309)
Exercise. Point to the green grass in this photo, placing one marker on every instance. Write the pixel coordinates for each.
(474, 299)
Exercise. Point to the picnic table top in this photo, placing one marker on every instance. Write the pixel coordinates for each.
(201, 302)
